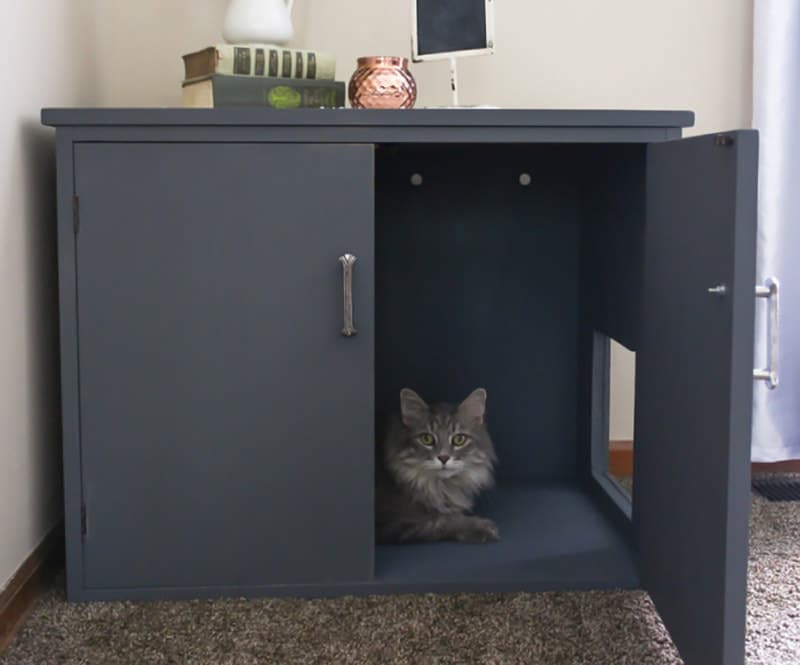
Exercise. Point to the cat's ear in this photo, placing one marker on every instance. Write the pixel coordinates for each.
(412, 407)
(474, 407)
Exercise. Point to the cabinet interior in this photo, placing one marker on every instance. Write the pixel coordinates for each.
(495, 266)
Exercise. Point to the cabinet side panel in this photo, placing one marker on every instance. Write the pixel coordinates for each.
(612, 242)
(70, 385)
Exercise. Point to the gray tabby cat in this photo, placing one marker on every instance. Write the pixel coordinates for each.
(436, 459)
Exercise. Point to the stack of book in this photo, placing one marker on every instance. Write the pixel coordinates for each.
(261, 75)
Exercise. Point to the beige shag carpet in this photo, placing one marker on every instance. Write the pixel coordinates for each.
(597, 628)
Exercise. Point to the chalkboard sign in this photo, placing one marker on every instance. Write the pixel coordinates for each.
(451, 28)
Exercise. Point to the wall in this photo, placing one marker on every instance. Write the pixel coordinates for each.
(61, 72)
(571, 53)
(621, 393)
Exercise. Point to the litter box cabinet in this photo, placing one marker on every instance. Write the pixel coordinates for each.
(244, 293)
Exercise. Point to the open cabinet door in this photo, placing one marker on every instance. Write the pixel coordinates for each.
(694, 390)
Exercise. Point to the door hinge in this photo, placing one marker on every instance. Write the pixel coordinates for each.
(76, 213)
(83, 519)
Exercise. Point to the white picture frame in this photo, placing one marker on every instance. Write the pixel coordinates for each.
(416, 56)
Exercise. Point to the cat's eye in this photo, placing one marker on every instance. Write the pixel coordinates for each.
(458, 440)
(425, 439)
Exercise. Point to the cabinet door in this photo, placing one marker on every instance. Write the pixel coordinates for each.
(694, 389)
(226, 423)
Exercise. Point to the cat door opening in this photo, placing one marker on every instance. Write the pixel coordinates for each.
(622, 388)
(613, 420)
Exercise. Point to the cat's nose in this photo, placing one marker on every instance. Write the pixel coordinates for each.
(443, 458)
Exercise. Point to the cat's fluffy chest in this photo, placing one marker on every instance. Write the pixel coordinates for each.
(454, 494)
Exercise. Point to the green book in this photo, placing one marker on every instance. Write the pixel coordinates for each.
(220, 90)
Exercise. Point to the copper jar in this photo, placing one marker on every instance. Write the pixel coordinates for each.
(382, 82)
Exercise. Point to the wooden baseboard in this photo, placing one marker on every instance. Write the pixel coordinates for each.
(27, 584)
(789, 466)
(620, 461)
(620, 458)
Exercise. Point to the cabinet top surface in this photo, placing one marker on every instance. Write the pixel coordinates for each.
(350, 118)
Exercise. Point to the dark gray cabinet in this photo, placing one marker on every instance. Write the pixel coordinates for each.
(220, 429)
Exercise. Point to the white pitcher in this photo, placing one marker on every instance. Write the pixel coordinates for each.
(257, 21)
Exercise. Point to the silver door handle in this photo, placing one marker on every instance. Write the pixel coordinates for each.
(770, 373)
(347, 261)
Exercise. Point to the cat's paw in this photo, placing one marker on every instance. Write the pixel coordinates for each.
(477, 531)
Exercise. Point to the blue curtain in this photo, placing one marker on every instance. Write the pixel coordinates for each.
(776, 114)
